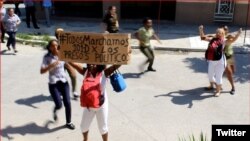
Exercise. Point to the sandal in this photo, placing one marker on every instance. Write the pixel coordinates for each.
(217, 94)
(208, 88)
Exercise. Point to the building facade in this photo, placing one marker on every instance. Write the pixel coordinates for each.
(235, 12)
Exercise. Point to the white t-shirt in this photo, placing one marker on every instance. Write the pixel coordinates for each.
(2, 13)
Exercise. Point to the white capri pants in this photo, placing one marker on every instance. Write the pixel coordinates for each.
(216, 70)
(101, 116)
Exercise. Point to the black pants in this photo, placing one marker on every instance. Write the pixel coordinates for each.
(149, 53)
(12, 39)
(17, 10)
(61, 89)
(31, 12)
(2, 31)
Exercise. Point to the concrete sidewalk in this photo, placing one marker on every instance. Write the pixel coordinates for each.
(173, 36)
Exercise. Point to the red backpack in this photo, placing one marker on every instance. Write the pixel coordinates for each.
(215, 49)
(91, 95)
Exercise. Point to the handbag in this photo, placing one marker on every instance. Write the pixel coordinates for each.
(117, 81)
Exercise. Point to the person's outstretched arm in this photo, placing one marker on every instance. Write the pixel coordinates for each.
(235, 37)
(111, 70)
(202, 34)
(157, 38)
(78, 67)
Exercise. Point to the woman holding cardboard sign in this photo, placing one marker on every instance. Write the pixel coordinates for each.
(93, 97)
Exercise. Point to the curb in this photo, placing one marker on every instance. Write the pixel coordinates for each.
(242, 50)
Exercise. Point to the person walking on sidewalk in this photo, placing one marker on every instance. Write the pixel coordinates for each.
(215, 57)
(94, 100)
(30, 12)
(70, 70)
(2, 15)
(11, 22)
(110, 20)
(58, 84)
(144, 34)
(47, 4)
(229, 53)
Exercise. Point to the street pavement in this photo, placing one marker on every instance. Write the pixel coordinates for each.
(160, 106)
(156, 106)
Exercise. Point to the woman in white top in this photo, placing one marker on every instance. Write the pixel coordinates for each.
(216, 66)
(58, 84)
(2, 14)
(11, 22)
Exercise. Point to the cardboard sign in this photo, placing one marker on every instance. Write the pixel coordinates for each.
(94, 48)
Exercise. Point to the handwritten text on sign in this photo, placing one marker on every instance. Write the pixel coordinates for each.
(94, 48)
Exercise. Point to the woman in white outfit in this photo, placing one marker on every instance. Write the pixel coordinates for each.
(216, 59)
(94, 97)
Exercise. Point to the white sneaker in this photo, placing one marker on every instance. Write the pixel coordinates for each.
(75, 94)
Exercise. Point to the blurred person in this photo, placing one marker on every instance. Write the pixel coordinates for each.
(47, 4)
(216, 58)
(94, 100)
(110, 20)
(229, 53)
(11, 21)
(144, 34)
(2, 15)
(30, 12)
(58, 84)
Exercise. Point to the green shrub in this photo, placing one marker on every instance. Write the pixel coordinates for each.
(192, 138)
(46, 38)
(24, 36)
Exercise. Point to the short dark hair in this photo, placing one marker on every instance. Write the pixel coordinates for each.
(10, 9)
(146, 19)
(110, 7)
(49, 44)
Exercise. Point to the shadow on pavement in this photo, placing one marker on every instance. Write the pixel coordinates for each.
(186, 97)
(132, 75)
(6, 52)
(200, 65)
(242, 62)
(33, 100)
(30, 128)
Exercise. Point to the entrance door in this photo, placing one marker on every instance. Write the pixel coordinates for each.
(165, 10)
(224, 11)
(79, 9)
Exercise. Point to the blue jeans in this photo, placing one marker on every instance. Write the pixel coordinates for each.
(61, 89)
(12, 39)
(47, 15)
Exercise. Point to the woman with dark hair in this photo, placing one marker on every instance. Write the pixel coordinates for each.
(93, 97)
(58, 84)
(144, 34)
(110, 20)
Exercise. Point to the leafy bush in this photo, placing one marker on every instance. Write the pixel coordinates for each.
(24, 36)
(192, 138)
